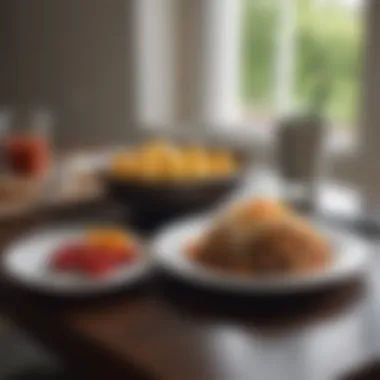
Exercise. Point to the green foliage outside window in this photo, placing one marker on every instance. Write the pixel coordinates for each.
(327, 62)
(259, 42)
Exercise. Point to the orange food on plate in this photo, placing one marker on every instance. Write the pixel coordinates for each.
(261, 210)
(261, 237)
(108, 238)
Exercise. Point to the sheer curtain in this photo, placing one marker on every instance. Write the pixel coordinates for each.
(153, 54)
(187, 63)
(369, 132)
(187, 68)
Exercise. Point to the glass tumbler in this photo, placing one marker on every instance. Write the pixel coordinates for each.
(28, 150)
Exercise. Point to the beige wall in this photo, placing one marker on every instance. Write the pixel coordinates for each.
(5, 53)
(369, 133)
(72, 56)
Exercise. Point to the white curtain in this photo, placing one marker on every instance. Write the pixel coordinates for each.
(369, 132)
(187, 61)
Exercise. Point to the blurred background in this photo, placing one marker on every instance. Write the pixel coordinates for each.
(105, 72)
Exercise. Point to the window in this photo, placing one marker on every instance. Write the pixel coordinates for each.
(302, 55)
(259, 45)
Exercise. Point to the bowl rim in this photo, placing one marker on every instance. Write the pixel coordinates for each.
(238, 174)
(173, 184)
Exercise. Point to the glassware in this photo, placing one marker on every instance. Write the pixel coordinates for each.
(299, 156)
(28, 151)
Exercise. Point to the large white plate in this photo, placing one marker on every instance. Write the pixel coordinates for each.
(350, 258)
(26, 261)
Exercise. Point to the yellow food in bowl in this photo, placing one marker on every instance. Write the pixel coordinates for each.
(195, 163)
(161, 161)
(125, 165)
(223, 163)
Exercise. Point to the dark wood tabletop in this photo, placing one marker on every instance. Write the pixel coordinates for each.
(163, 329)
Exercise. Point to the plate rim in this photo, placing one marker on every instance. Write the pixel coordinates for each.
(207, 278)
(143, 265)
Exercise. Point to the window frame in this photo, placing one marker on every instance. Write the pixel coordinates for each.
(342, 153)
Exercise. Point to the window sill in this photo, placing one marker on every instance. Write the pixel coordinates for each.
(258, 140)
(340, 151)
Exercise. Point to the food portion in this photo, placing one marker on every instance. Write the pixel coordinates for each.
(97, 254)
(163, 161)
(261, 238)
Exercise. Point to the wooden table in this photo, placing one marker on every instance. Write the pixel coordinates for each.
(165, 330)
(162, 330)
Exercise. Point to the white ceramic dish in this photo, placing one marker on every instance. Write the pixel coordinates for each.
(350, 257)
(26, 261)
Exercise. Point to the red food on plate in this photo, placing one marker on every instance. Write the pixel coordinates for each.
(96, 261)
(96, 265)
(66, 257)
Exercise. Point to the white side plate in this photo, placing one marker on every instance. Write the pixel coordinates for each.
(26, 261)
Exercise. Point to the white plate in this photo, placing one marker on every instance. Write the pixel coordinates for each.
(350, 257)
(26, 261)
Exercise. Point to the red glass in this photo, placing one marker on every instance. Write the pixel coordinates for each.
(28, 154)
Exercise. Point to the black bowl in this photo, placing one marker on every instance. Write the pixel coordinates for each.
(149, 205)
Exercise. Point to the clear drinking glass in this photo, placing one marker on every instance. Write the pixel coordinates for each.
(28, 150)
(299, 157)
